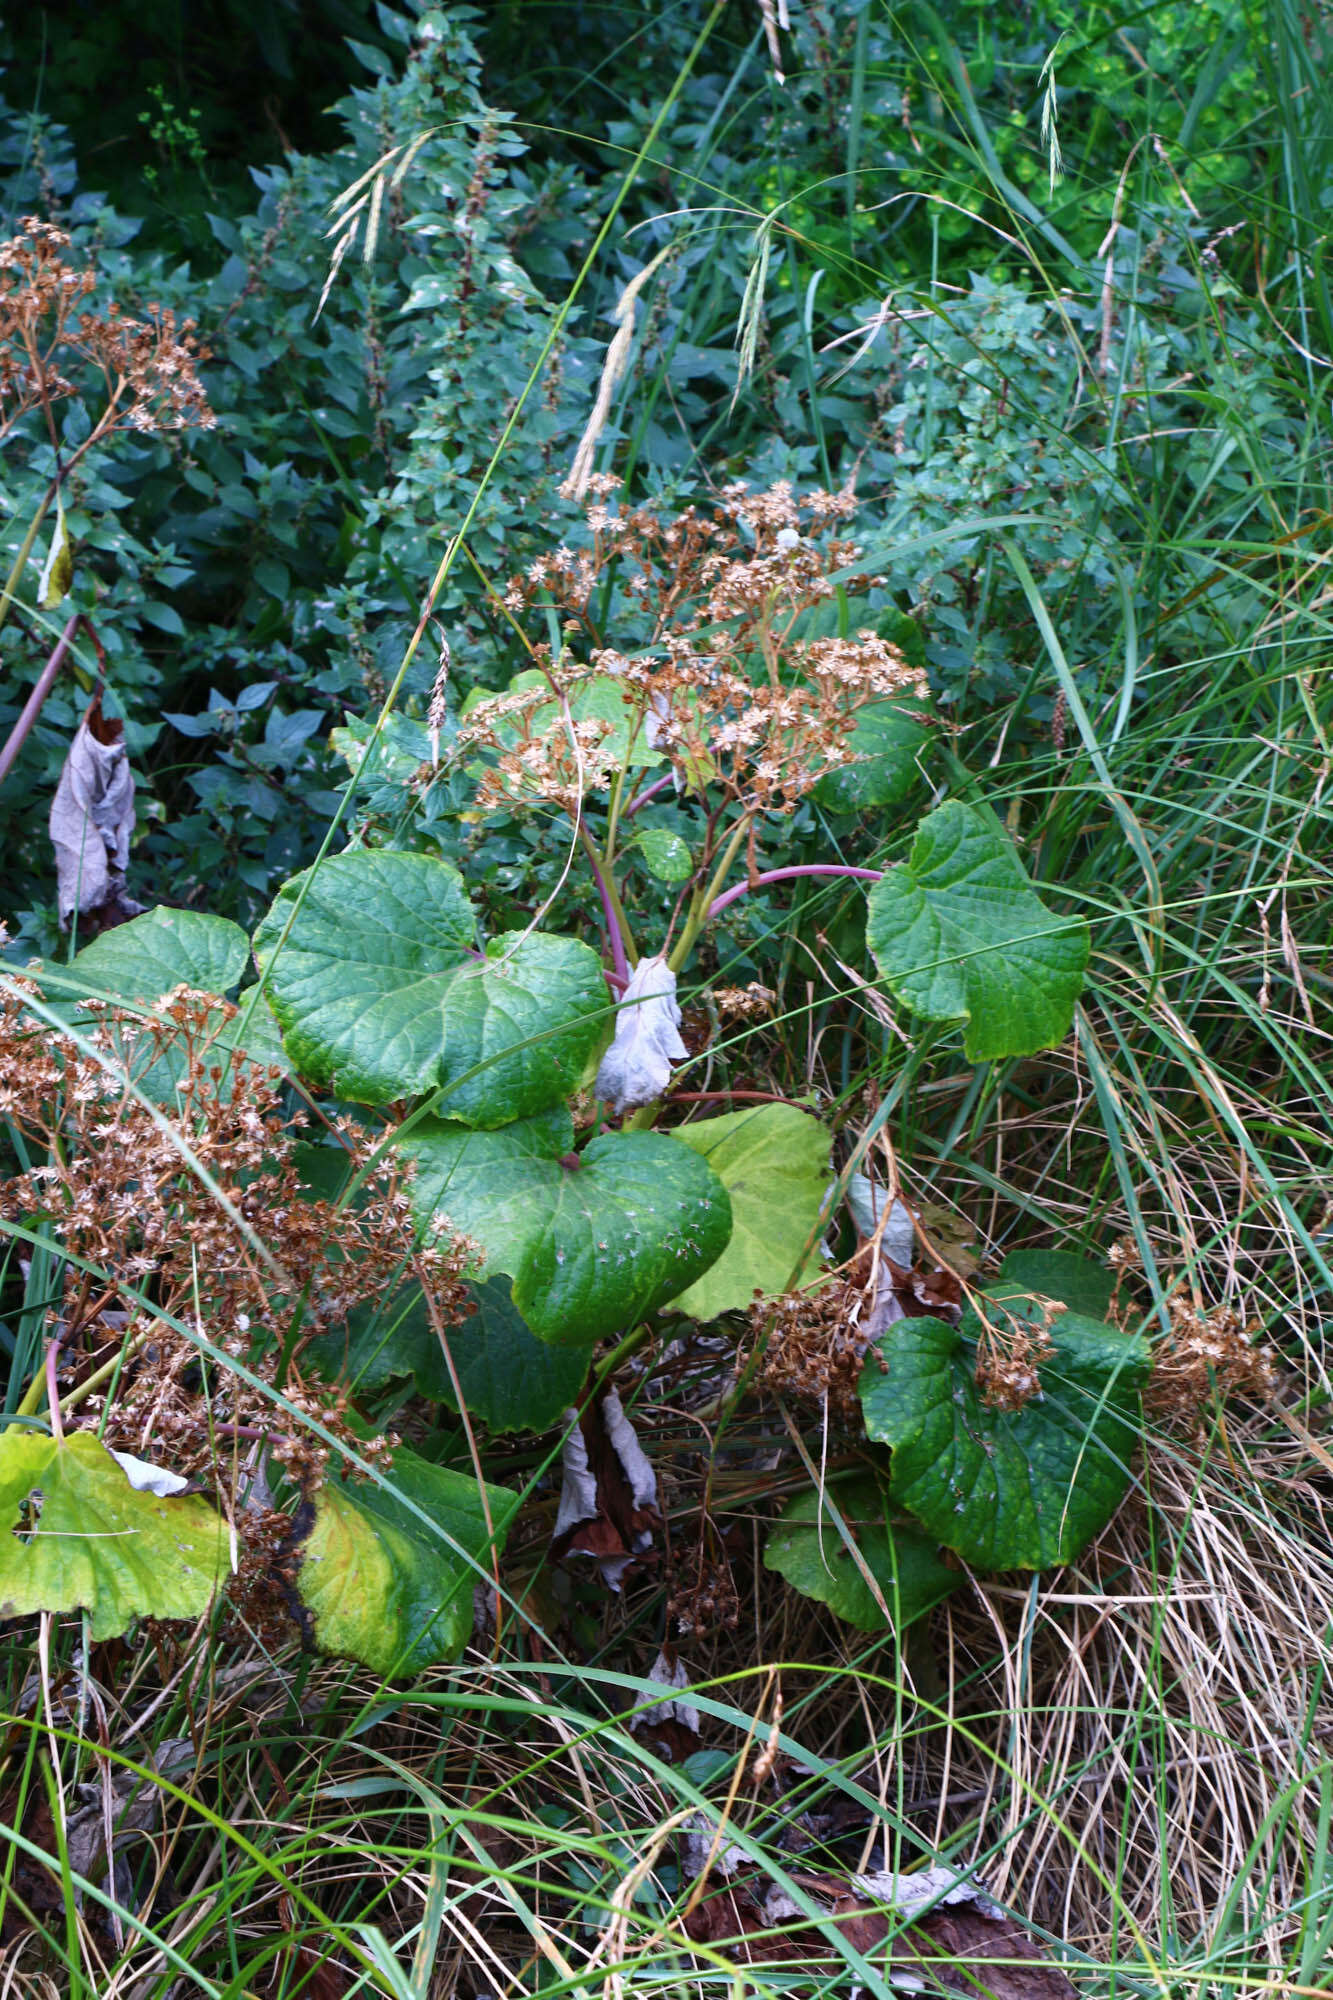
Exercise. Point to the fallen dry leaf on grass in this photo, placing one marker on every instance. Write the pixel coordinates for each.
(932, 1932)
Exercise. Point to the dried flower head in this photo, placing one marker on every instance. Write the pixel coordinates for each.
(816, 1347)
(1209, 1355)
(199, 1216)
(149, 368)
(1011, 1349)
(748, 707)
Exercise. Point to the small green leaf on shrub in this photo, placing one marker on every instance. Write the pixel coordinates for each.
(816, 1561)
(773, 1162)
(382, 1586)
(887, 743)
(594, 1241)
(959, 934)
(1008, 1489)
(665, 854)
(76, 1536)
(1058, 1274)
(380, 994)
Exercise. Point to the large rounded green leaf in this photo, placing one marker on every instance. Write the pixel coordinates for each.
(594, 1241)
(1058, 1274)
(1008, 1489)
(163, 948)
(75, 1535)
(959, 934)
(145, 959)
(381, 1585)
(804, 1545)
(381, 995)
(510, 1380)
(773, 1162)
(887, 744)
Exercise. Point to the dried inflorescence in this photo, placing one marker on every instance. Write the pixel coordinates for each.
(199, 1211)
(746, 705)
(815, 1347)
(1011, 1350)
(702, 1595)
(1208, 1355)
(744, 1003)
(149, 367)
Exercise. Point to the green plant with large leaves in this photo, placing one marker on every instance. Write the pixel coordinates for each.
(520, 1076)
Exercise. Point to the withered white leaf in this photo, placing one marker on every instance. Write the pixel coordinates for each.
(57, 577)
(146, 1477)
(634, 1460)
(628, 1534)
(636, 1069)
(578, 1486)
(669, 1674)
(867, 1203)
(925, 1888)
(92, 817)
(897, 1245)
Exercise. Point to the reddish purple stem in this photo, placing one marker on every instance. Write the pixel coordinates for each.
(32, 707)
(790, 875)
(648, 792)
(618, 977)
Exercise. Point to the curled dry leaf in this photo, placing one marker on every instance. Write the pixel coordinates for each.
(896, 1236)
(670, 1726)
(92, 819)
(903, 1286)
(636, 1069)
(608, 1495)
(127, 1807)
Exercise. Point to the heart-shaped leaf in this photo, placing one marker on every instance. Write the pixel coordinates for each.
(959, 934)
(594, 1241)
(815, 1560)
(75, 1535)
(887, 744)
(773, 1162)
(144, 960)
(1058, 1274)
(381, 995)
(510, 1380)
(1008, 1489)
(384, 1588)
(163, 948)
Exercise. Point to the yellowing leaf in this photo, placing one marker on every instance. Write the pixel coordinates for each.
(57, 578)
(76, 1536)
(773, 1162)
(387, 1587)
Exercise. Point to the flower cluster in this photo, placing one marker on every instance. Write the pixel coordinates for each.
(198, 1216)
(731, 687)
(1011, 1350)
(1208, 1356)
(815, 1349)
(149, 367)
